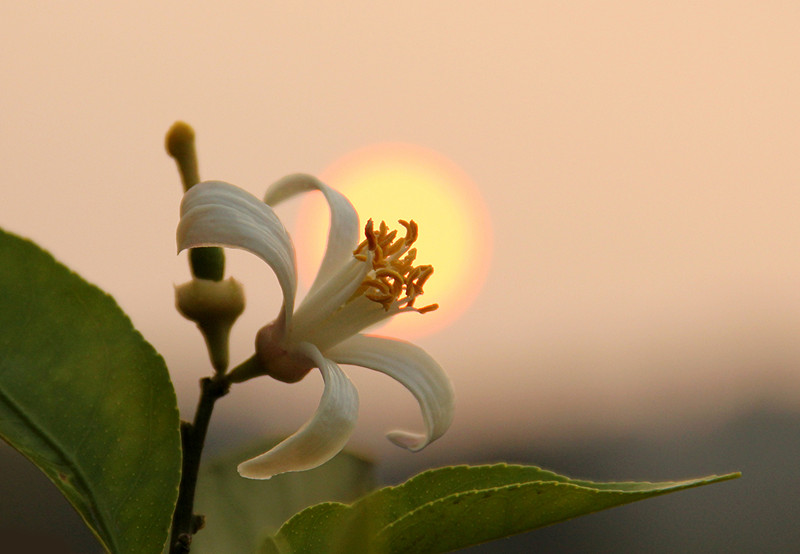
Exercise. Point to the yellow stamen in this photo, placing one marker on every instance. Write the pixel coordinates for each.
(371, 242)
(394, 280)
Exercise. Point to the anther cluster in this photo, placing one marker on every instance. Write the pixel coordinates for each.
(394, 277)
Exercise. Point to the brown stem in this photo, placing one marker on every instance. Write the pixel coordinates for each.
(193, 435)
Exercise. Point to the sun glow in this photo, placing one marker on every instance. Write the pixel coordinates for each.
(391, 182)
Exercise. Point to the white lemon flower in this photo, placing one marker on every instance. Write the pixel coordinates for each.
(357, 286)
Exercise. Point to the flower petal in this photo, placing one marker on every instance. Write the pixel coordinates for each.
(214, 213)
(412, 367)
(322, 437)
(344, 230)
(355, 316)
(328, 298)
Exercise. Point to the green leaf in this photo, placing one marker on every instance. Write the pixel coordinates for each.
(86, 399)
(239, 512)
(456, 507)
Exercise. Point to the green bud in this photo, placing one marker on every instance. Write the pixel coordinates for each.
(180, 145)
(208, 262)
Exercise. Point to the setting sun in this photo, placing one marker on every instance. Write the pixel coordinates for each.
(394, 181)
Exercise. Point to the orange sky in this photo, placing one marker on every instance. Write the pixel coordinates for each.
(639, 164)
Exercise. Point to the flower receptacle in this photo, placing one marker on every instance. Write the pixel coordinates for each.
(214, 306)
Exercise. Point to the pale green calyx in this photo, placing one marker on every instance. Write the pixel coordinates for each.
(214, 306)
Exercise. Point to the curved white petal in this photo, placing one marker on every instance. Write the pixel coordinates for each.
(214, 213)
(416, 370)
(322, 437)
(354, 317)
(344, 231)
(328, 299)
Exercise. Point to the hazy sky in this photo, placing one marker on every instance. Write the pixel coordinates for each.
(639, 162)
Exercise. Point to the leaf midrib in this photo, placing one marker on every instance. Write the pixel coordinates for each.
(69, 462)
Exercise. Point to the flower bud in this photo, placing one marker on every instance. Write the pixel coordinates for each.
(180, 145)
(214, 306)
(206, 262)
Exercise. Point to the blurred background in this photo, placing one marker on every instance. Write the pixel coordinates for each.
(632, 301)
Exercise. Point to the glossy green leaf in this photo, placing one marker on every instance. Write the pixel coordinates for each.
(86, 399)
(239, 512)
(456, 507)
